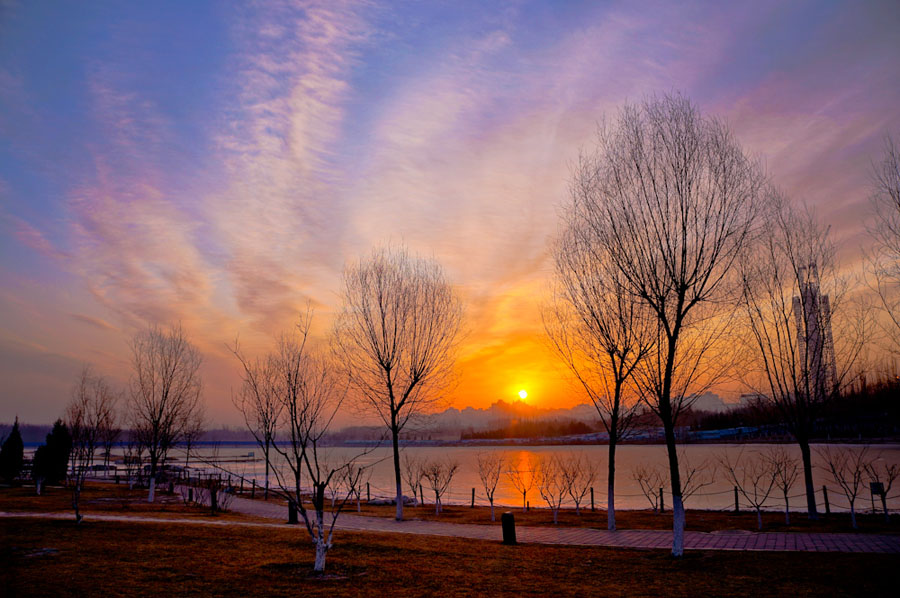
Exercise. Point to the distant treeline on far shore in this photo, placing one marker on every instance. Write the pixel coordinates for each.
(867, 411)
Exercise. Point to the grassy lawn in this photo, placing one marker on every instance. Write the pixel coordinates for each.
(150, 559)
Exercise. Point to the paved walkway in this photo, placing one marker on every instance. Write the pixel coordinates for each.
(808, 542)
(805, 542)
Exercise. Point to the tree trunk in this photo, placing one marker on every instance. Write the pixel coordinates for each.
(811, 511)
(395, 438)
(555, 516)
(152, 494)
(677, 527)
(266, 491)
(787, 510)
(611, 486)
(492, 508)
(524, 504)
(758, 519)
(677, 504)
(853, 514)
(887, 518)
(321, 544)
(437, 503)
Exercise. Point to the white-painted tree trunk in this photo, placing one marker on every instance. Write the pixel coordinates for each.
(852, 514)
(758, 518)
(492, 509)
(321, 543)
(152, 494)
(37, 486)
(677, 527)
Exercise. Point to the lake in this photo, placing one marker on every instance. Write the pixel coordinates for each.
(718, 494)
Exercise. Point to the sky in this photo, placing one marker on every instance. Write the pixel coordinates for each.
(217, 163)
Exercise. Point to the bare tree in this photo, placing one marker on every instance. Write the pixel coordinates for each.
(885, 258)
(847, 467)
(165, 392)
(580, 474)
(259, 404)
(396, 335)
(695, 476)
(600, 333)
(673, 201)
(90, 409)
(413, 472)
(311, 391)
(490, 466)
(786, 473)
(804, 337)
(882, 472)
(194, 430)
(753, 475)
(552, 484)
(651, 480)
(439, 475)
(110, 430)
(522, 480)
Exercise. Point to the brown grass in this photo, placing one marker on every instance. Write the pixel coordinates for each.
(159, 559)
(110, 499)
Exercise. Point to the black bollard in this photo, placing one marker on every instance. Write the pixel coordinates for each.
(825, 496)
(368, 493)
(508, 523)
(473, 499)
(292, 513)
(662, 505)
(592, 499)
(190, 495)
(737, 508)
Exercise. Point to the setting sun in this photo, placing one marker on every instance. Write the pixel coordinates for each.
(523, 395)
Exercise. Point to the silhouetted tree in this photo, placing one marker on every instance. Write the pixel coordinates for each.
(165, 392)
(51, 459)
(600, 333)
(804, 337)
(673, 201)
(885, 257)
(87, 414)
(12, 455)
(396, 337)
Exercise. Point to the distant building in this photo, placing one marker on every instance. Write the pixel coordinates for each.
(815, 344)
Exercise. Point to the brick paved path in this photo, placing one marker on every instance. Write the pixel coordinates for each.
(594, 537)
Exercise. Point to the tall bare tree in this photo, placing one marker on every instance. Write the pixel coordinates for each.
(522, 479)
(673, 201)
(885, 258)
(259, 404)
(165, 392)
(311, 391)
(88, 414)
(600, 333)
(396, 335)
(804, 335)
